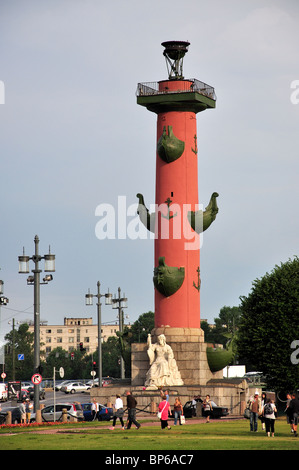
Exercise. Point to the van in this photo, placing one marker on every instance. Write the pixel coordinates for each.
(3, 392)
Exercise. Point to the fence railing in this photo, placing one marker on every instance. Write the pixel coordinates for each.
(152, 88)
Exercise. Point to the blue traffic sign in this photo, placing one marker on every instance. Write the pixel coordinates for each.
(20, 357)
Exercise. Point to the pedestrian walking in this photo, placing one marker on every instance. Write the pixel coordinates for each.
(294, 412)
(263, 402)
(207, 406)
(22, 409)
(94, 409)
(255, 410)
(288, 412)
(164, 408)
(118, 412)
(177, 411)
(269, 410)
(131, 405)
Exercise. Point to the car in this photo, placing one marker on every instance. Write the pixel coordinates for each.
(26, 385)
(216, 413)
(104, 414)
(73, 387)
(60, 384)
(73, 410)
(95, 382)
(42, 393)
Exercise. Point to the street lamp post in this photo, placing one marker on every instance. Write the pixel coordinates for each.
(13, 355)
(89, 301)
(3, 301)
(35, 281)
(120, 303)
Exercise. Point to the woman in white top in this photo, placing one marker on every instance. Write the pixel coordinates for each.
(269, 410)
(118, 412)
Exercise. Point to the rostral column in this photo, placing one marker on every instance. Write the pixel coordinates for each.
(178, 221)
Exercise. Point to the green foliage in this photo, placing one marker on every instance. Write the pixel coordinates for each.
(270, 323)
(225, 327)
(19, 341)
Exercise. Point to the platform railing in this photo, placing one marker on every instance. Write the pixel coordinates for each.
(152, 88)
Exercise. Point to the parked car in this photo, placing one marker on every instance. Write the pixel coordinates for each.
(73, 410)
(26, 385)
(42, 393)
(104, 414)
(73, 387)
(216, 413)
(95, 382)
(60, 384)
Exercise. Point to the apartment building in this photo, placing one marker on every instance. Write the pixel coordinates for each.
(73, 332)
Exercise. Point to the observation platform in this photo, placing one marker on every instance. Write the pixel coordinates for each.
(176, 95)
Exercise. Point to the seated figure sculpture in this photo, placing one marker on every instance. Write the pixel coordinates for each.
(163, 369)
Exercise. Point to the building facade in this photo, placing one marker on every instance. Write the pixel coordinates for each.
(73, 332)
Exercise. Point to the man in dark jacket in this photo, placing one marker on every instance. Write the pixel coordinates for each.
(294, 412)
(131, 405)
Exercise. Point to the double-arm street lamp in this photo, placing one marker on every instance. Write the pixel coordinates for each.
(89, 301)
(117, 303)
(35, 281)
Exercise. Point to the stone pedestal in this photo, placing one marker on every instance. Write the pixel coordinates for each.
(189, 351)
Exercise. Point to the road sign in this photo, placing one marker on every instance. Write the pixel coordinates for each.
(93, 373)
(3, 375)
(20, 357)
(61, 372)
(36, 379)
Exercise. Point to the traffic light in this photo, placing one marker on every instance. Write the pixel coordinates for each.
(94, 366)
(81, 347)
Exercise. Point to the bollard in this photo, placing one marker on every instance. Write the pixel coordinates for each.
(8, 418)
(38, 416)
(64, 415)
(153, 407)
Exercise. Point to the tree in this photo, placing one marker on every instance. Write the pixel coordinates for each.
(142, 327)
(19, 341)
(269, 326)
(226, 325)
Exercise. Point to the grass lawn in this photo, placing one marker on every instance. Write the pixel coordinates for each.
(224, 435)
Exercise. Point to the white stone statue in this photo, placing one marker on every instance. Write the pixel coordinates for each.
(163, 369)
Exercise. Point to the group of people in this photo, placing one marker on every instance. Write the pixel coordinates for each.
(26, 409)
(119, 412)
(265, 409)
(165, 411)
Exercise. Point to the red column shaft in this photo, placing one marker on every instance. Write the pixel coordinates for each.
(178, 181)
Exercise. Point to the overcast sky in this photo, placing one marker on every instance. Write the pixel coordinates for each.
(73, 138)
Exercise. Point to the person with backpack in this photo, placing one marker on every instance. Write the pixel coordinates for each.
(269, 410)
